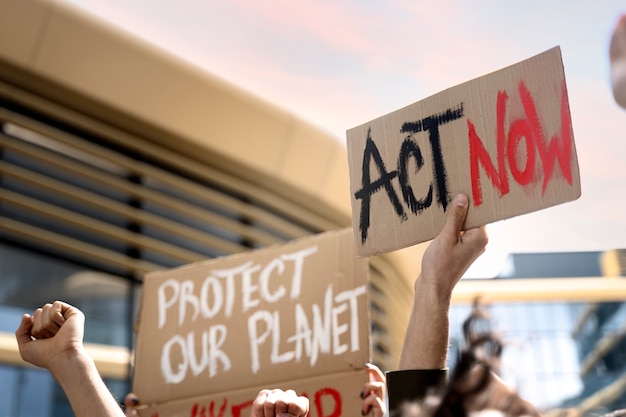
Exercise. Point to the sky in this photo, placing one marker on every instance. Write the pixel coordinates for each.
(341, 63)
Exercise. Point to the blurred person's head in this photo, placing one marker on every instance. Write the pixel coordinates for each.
(474, 388)
(617, 61)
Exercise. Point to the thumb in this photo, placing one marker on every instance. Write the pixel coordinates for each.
(456, 217)
(22, 334)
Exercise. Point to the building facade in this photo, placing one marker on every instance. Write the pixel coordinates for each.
(561, 318)
(117, 159)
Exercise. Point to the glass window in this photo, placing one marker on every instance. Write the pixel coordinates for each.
(27, 392)
(30, 279)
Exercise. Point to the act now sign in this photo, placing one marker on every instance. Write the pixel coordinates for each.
(504, 139)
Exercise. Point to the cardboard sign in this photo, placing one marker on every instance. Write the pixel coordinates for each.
(332, 395)
(265, 319)
(504, 139)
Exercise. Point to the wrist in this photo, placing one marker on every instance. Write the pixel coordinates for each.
(69, 362)
(433, 291)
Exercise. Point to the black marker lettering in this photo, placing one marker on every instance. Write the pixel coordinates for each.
(368, 187)
(431, 124)
(408, 150)
(411, 149)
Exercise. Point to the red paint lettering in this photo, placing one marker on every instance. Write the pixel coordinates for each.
(327, 401)
(520, 129)
(478, 153)
(335, 396)
(222, 409)
(553, 151)
(508, 147)
(237, 409)
(196, 411)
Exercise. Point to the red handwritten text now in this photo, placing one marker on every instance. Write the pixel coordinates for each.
(530, 130)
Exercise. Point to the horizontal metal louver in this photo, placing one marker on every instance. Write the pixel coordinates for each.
(108, 201)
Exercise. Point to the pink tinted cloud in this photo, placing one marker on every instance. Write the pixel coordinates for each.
(340, 26)
(382, 37)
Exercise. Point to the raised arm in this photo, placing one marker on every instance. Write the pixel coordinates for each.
(53, 339)
(447, 258)
(422, 366)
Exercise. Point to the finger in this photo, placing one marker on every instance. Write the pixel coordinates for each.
(70, 312)
(365, 408)
(48, 325)
(281, 406)
(376, 388)
(257, 405)
(482, 230)
(37, 314)
(131, 400)
(285, 403)
(39, 331)
(299, 406)
(269, 406)
(277, 403)
(56, 313)
(374, 373)
(67, 310)
(454, 223)
(374, 405)
(370, 403)
(477, 237)
(380, 409)
(289, 402)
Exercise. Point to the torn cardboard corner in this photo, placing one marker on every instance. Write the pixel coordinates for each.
(259, 318)
(329, 395)
(504, 139)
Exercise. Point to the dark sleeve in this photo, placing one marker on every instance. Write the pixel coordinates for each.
(412, 385)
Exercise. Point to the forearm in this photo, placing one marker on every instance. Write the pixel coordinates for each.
(426, 339)
(424, 352)
(88, 395)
